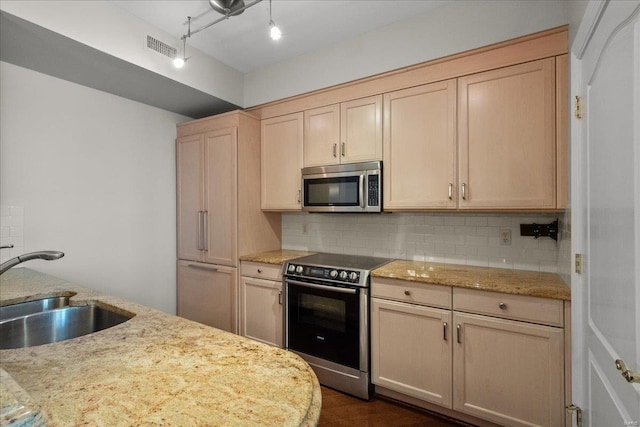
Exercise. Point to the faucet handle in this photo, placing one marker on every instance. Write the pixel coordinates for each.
(6, 246)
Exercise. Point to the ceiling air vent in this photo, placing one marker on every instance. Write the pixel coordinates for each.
(160, 47)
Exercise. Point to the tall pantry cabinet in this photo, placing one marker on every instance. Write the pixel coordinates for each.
(218, 214)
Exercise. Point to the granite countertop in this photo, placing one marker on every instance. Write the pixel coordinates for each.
(518, 282)
(155, 369)
(279, 256)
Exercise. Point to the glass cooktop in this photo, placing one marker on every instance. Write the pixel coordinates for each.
(356, 262)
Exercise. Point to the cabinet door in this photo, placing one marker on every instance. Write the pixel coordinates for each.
(506, 131)
(261, 315)
(562, 131)
(508, 372)
(281, 162)
(322, 136)
(190, 178)
(208, 294)
(411, 350)
(361, 130)
(419, 147)
(221, 148)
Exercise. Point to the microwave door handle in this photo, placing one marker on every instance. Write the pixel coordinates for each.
(361, 196)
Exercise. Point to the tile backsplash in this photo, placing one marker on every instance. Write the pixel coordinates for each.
(469, 239)
(11, 231)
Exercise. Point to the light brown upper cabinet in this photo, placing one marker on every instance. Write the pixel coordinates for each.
(419, 143)
(207, 191)
(507, 137)
(191, 188)
(281, 162)
(343, 133)
(562, 130)
(482, 130)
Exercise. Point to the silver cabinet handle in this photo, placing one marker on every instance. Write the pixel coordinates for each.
(205, 231)
(362, 196)
(502, 306)
(407, 292)
(6, 246)
(202, 267)
(630, 376)
(280, 297)
(444, 330)
(459, 333)
(342, 149)
(299, 196)
(259, 270)
(464, 191)
(199, 232)
(450, 191)
(335, 150)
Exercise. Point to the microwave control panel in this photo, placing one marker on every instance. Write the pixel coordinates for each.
(373, 190)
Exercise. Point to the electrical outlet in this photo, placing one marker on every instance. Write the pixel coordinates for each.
(505, 237)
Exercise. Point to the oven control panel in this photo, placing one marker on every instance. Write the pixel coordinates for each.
(323, 273)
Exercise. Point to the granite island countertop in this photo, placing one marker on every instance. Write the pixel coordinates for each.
(154, 369)
(517, 282)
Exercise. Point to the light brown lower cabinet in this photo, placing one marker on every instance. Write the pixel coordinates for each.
(478, 364)
(509, 372)
(207, 293)
(261, 299)
(405, 336)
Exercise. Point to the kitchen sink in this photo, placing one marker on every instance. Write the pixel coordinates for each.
(30, 307)
(57, 325)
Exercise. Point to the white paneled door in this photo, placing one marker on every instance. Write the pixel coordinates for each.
(606, 212)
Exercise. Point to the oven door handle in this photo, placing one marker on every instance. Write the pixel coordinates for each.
(323, 287)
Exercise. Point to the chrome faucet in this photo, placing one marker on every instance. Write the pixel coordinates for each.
(46, 255)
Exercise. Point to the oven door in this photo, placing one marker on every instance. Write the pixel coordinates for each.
(324, 321)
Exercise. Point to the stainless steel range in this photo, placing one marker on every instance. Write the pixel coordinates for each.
(327, 317)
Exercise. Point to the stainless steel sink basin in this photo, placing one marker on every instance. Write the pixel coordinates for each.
(56, 325)
(30, 307)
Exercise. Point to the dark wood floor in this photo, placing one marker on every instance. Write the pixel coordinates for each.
(339, 409)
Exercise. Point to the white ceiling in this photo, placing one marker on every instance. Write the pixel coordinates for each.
(243, 42)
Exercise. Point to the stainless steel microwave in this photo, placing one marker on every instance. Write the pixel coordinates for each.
(353, 187)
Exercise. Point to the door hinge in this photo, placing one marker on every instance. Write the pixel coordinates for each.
(578, 109)
(573, 408)
(579, 263)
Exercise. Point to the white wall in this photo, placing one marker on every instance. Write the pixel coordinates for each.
(450, 29)
(576, 10)
(95, 177)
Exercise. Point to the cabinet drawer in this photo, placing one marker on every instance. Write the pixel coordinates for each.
(261, 270)
(517, 307)
(412, 292)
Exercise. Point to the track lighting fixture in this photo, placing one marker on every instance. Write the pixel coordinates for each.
(274, 31)
(179, 62)
(227, 8)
